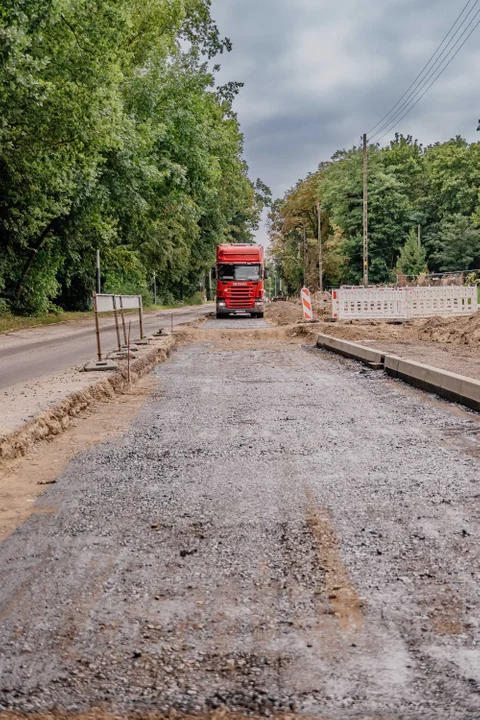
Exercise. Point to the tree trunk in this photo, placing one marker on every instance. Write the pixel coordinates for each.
(32, 256)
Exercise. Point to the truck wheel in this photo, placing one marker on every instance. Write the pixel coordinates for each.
(260, 315)
(221, 316)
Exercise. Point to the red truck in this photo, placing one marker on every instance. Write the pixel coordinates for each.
(240, 272)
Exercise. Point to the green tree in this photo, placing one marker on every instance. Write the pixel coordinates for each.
(412, 256)
(408, 184)
(458, 244)
(114, 136)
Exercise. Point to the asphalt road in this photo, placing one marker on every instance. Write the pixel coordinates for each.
(280, 530)
(27, 355)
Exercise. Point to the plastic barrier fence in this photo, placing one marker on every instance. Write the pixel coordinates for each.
(402, 303)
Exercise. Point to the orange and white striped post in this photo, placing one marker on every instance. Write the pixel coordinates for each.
(307, 304)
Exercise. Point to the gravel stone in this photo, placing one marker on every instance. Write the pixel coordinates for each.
(316, 549)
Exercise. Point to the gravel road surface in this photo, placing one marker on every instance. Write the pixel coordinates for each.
(280, 530)
(30, 354)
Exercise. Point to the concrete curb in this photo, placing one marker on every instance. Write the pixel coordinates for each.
(374, 358)
(58, 418)
(452, 387)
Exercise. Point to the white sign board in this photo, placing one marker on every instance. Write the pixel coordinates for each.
(129, 302)
(104, 303)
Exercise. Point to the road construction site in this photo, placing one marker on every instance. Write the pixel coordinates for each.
(278, 530)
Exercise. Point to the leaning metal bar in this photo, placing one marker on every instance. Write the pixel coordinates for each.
(97, 327)
(140, 315)
(123, 321)
(117, 327)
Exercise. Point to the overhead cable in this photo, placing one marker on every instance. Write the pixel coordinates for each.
(430, 67)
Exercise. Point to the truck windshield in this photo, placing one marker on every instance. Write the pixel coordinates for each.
(240, 272)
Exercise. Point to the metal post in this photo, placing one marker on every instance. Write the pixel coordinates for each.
(210, 285)
(97, 328)
(320, 254)
(123, 321)
(140, 316)
(154, 288)
(117, 327)
(365, 212)
(419, 236)
(128, 353)
(99, 278)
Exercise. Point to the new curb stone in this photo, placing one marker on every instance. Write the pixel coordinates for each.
(452, 387)
(456, 388)
(369, 356)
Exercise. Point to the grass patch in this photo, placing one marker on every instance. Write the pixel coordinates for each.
(15, 322)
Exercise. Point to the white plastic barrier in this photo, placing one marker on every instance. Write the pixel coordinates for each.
(402, 303)
(447, 300)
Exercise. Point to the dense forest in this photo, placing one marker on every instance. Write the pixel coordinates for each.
(114, 136)
(434, 188)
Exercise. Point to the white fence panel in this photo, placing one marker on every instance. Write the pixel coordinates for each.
(447, 300)
(402, 303)
(373, 303)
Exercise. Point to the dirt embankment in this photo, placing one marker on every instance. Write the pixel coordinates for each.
(455, 330)
(452, 344)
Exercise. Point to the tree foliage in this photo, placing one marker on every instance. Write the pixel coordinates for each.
(436, 187)
(113, 136)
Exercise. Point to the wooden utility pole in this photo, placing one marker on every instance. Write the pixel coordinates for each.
(320, 254)
(419, 237)
(305, 254)
(210, 285)
(365, 212)
(99, 280)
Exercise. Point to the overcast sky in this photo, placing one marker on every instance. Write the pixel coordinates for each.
(319, 73)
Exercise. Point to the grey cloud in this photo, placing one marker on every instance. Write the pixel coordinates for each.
(318, 73)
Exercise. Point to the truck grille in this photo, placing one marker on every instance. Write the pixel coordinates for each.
(241, 297)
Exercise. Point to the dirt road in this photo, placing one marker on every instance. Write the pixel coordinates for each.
(280, 530)
(26, 355)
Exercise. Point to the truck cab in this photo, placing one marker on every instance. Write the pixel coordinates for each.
(240, 273)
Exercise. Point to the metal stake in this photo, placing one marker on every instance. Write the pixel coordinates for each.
(123, 321)
(128, 353)
(97, 328)
(140, 315)
(117, 327)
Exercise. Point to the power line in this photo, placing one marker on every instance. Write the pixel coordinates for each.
(452, 58)
(424, 76)
(391, 123)
(422, 70)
